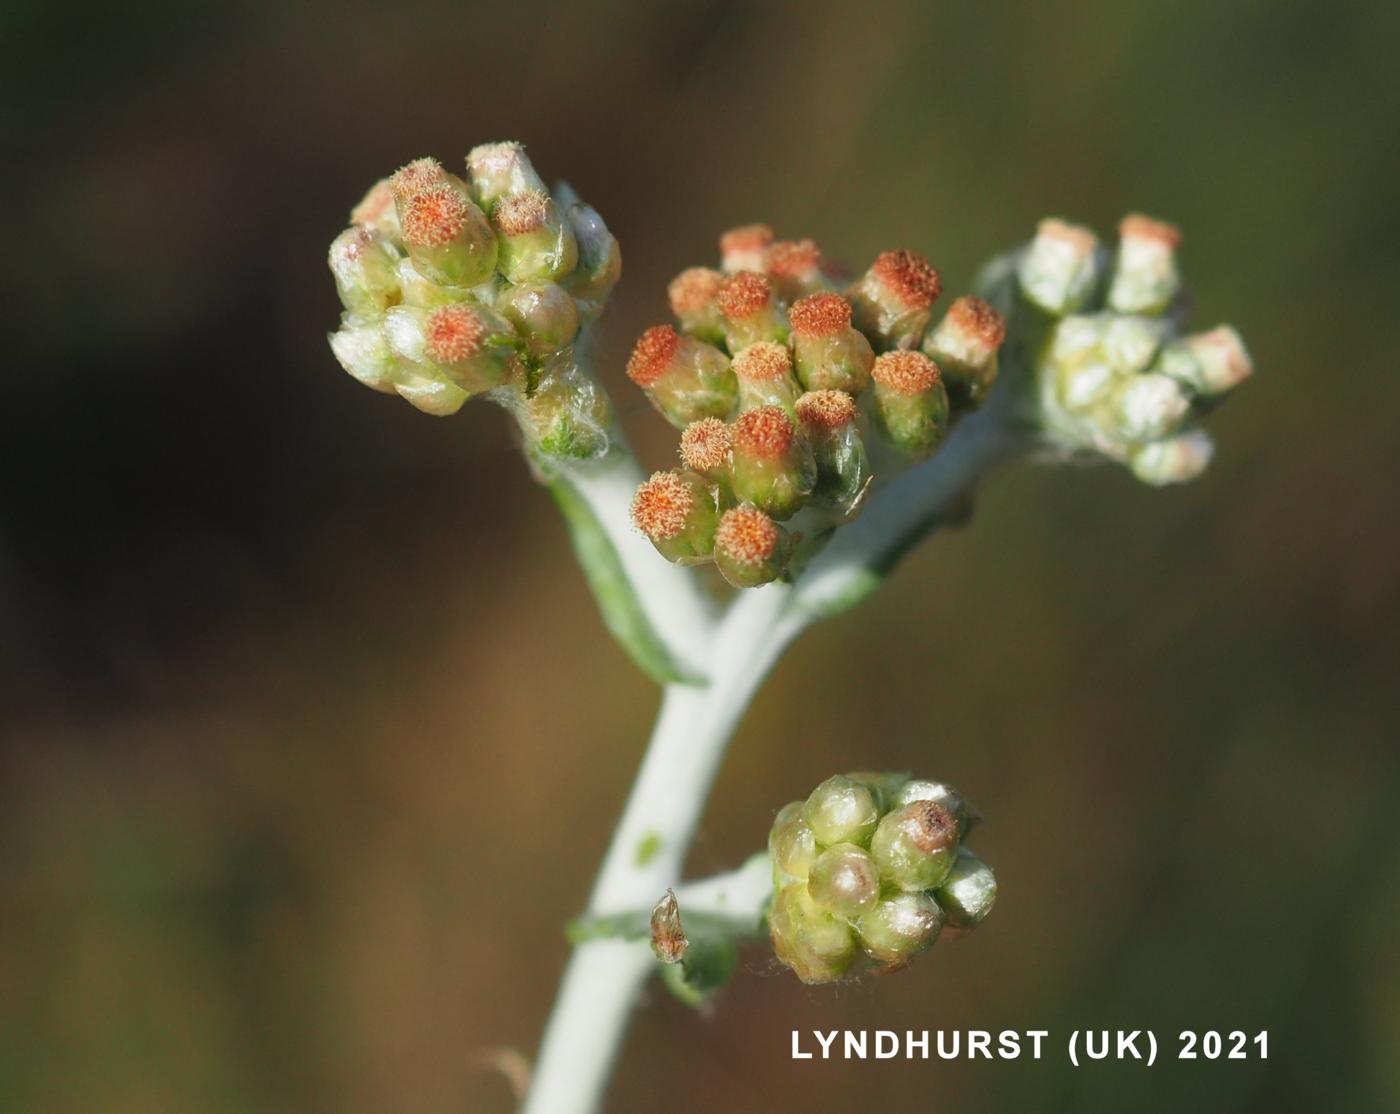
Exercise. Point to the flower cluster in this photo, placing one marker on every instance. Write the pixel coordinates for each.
(872, 864)
(775, 379)
(455, 287)
(1115, 376)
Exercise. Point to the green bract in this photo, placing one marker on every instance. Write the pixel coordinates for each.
(872, 864)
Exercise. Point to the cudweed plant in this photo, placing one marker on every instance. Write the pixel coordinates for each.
(824, 425)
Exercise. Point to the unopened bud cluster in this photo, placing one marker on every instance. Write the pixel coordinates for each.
(1115, 375)
(871, 868)
(777, 374)
(455, 286)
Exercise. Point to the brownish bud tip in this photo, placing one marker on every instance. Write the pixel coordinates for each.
(743, 294)
(978, 321)
(820, 315)
(1081, 239)
(693, 289)
(654, 351)
(521, 213)
(1137, 226)
(748, 238)
(905, 372)
(747, 535)
(453, 333)
(705, 445)
(763, 361)
(433, 216)
(910, 277)
(765, 433)
(931, 827)
(661, 505)
(373, 205)
(792, 259)
(826, 409)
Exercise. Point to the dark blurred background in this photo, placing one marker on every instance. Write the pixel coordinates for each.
(311, 737)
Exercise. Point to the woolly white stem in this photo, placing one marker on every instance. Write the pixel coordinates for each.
(692, 732)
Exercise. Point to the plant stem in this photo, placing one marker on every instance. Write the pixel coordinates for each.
(648, 849)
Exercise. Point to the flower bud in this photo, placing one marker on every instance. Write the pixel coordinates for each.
(1129, 343)
(567, 415)
(1208, 363)
(1060, 268)
(741, 249)
(535, 244)
(430, 394)
(750, 548)
(364, 264)
(764, 372)
(769, 465)
(417, 290)
(911, 401)
(543, 314)
(1145, 276)
(376, 210)
(794, 267)
(964, 346)
(748, 310)
(447, 236)
(500, 170)
(791, 845)
(668, 942)
(599, 257)
(692, 296)
(828, 352)
(900, 927)
(883, 784)
(415, 177)
(817, 946)
(922, 789)
(1146, 407)
(914, 846)
(363, 350)
(469, 345)
(676, 511)
(842, 810)
(968, 892)
(705, 448)
(892, 299)
(1174, 460)
(685, 379)
(844, 880)
(828, 423)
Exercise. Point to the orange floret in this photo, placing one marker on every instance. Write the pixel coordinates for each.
(661, 505)
(905, 372)
(909, 276)
(747, 535)
(652, 355)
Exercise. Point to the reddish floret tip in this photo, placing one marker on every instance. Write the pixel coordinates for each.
(743, 294)
(705, 445)
(453, 333)
(905, 372)
(764, 361)
(765, 433)
(747, 535)
(661, 506)
(693, 289)
(909, 276)
(826, 409)
(978, 320)
(652, 355)
(433, 217)
(522, 213)
(820, 315)
(1137, 226)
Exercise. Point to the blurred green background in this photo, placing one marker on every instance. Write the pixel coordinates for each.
(311, 738)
